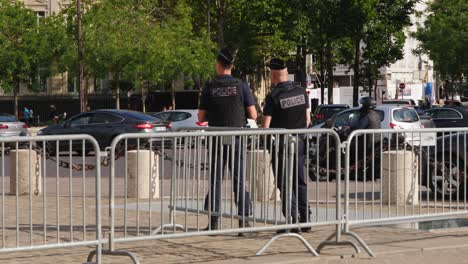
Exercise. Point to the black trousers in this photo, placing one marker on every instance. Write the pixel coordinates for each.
(298, 190)
(219, 160)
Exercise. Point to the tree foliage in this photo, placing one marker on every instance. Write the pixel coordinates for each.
(144, 40)
(443, 37)
(26, 44)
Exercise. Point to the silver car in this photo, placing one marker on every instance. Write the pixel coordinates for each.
(11, 127)
(392, 116)
(181, 118)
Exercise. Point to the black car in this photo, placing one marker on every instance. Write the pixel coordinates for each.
(451, 169)
(324, 112)
(448, 116)
(424, 118)
(104, 126)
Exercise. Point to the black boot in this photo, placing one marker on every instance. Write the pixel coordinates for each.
(303, 219)
(245, 224)
(213, 224)
(292, 230)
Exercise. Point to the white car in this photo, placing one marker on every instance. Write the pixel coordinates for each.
(181, 118)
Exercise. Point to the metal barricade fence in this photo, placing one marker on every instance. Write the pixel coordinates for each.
(187, 184)
(399, 176)
(50, 195)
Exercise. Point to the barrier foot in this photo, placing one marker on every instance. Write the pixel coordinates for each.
(132, 256)
(329, 242)
(306, 244)
(166, 226)
(359, 239)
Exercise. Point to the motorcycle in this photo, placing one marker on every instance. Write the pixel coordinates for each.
(364, 156)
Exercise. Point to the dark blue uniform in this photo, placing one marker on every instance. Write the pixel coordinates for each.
(287, 105)
(225, 100)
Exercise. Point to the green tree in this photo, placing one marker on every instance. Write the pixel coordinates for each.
(26, 43)
(443, 37)
(374, 37)
(144, 40)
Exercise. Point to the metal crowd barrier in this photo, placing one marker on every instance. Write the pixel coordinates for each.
(401, 176)
(162, 185)
(45, 199)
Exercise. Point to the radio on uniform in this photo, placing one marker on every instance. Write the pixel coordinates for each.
(292, 101)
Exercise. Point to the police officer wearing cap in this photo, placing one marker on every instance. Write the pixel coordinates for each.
(287, 107)
(226, 102)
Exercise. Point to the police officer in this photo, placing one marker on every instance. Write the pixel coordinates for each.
(287, 107)
(226, 102)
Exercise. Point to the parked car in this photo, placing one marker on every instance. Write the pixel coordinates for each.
(449, 178)
(400, 102)
(179, 119)
(10, 126)
(448, 116)
(324, 112)
(392, 116)
(425, 119)
(104, 126)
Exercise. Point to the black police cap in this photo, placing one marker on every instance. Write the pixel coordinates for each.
(277, 64)
(225, 57)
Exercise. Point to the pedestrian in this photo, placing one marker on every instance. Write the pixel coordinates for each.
(287, 107)
(26, 115)
(53, 115)
(164, 109)
(227, 102)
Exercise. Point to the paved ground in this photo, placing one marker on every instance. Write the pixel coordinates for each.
(391, 246)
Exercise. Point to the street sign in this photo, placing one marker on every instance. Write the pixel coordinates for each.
(402, 86)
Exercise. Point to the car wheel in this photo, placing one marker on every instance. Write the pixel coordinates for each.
(448, 178)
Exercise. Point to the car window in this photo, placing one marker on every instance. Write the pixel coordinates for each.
(180, 116)
(164, 116)
(449, 113)
(400, 102)
(349, 117)
(443, 113)
(103, 118)
(140, 116)
(8, 119)
(405, 115)
(346, 118)
(431, 113)
(80, 120)
(327, 112)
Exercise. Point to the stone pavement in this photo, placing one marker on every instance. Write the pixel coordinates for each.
(391, 245)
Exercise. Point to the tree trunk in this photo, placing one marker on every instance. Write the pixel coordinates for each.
(80, 59)
(357, 55)
(322, 74)
(329, 71)
(173, 100)
(16, 85)
(300, 62)
(117, 91)
(220, 9)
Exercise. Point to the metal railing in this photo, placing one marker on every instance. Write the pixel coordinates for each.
(45, 197)
(201, 183)
(400, 176)
(222, 182)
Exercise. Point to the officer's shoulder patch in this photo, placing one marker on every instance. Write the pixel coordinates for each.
(292, 101)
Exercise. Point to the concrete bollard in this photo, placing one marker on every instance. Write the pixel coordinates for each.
(25, 170)
(400, 174)
(262, 169)
(141, 176)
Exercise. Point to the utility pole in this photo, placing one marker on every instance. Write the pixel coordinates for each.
(80, 58)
